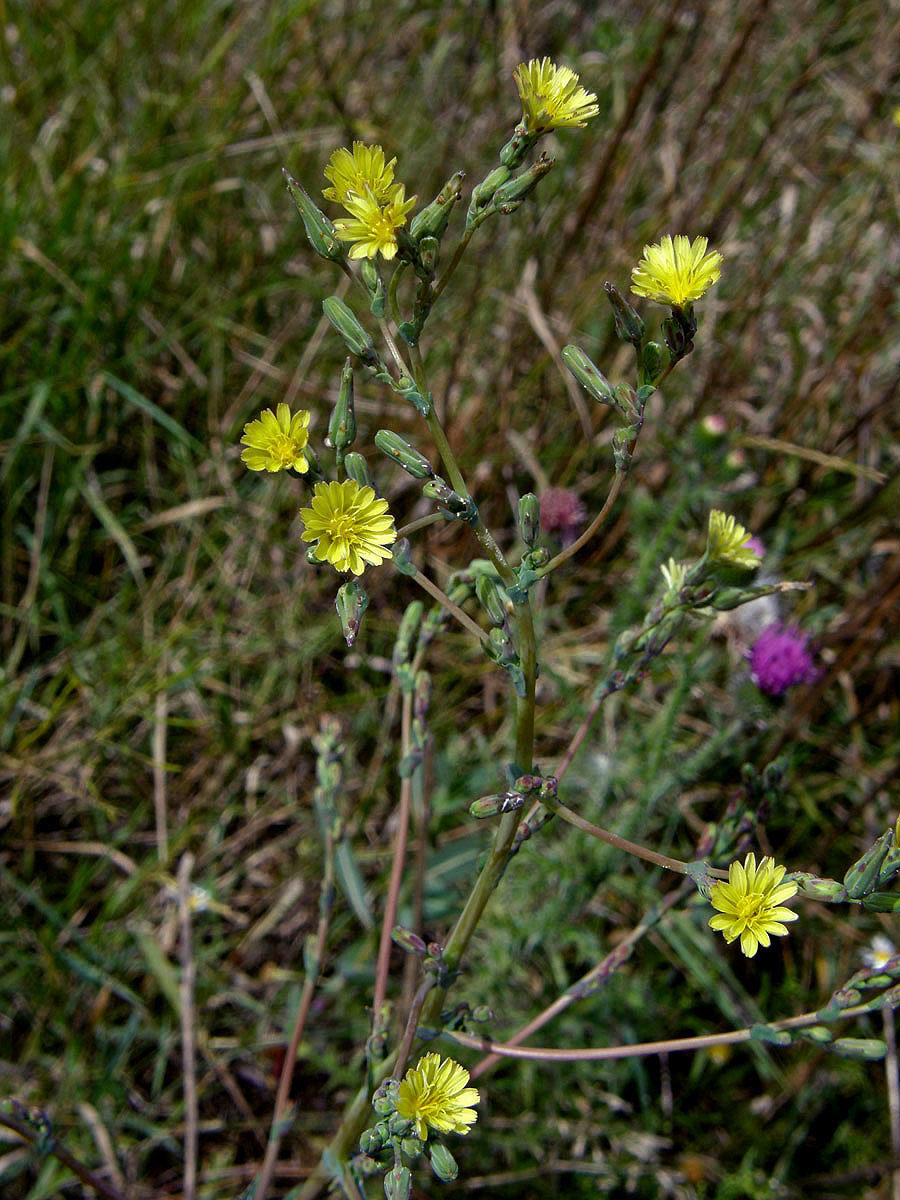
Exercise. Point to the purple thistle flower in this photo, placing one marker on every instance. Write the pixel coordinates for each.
(562, 513)
(780, 659)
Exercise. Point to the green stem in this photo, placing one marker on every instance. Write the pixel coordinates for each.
(454, 263)
(444, 600)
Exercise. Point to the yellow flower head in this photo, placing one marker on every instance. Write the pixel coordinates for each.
(349, 526)
(676, 271)
(359, 173)
(552, 97)
(749, 903)
(434, 1093)
(372, 228)
(726, 542)
(275, 441)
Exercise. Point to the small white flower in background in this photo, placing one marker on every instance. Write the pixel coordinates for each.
(880, 950)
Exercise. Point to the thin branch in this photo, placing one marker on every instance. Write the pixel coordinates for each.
(59, 1151)
(188, 1044)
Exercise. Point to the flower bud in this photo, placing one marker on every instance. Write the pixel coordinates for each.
(510, 195)
(491, 599)
(827, 890)
(865, 1049)
(342, 426)
(357, 469)
(862, 877)
(371, 1141)
(447, 500)
(400, 1126)
(483, 194)
(385, 1099)
(882, 902)
(358, 341)
(408, 941)
(320, 231)
(402, 557)
(590, 377)
(502, 646)
(516, 149)
(351, 602)
(443, 1163)
(629, 326)
(398, 1183)
(371, 277)
(432, 220)
(408, 631)
(403, 454)
(529, 518)
(651, 362)
(495, 806)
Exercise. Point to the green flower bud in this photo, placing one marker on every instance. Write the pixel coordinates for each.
(882, 902)
(510, 195)
(432, 220)
(403, 454)
(320, 231)
(502, 646)
(818, 1033)
(443, 1163)
(827, 890)
(495, 806)
(408, 632)
(516, 149)
(402, 557)
(411, 1147)
(491, 599)
(351, 602)
(408, 941)
(370, 1141)
(483, 194)
(629, 326)
(358, 341)
(398, 1183)
(407, 389)
(357, 468)
(400, 1126)
(651, 362)
(385, 1099)
(447, 500)
(865, 1049)
(862, 877)
(529, 518)
(342, 426)
(590, 377)
(371, 277)
(421, 696)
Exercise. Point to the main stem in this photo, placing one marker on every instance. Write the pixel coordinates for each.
(359, 1113)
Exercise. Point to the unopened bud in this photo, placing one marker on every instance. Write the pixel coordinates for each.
(403, 454)
(516, 149)
(865, 1049)
(408, 941)
(502, 646)
(402, 557)
(862, 877)
(342, 426)
(432, 220)
(491, 599)
(629, 326)
(398, 1183)
(357, 340)
(483, 194)
(443, 1163)
(408, 632)
(446, 499)
(351, 602)
(497, 805)
(385, 1099)
(651, 362)
(529, 518)
(510, 195)
(357, 469)
(321, 233)
(827, 890)
(589, 376)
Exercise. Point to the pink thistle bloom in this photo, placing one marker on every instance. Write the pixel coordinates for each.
(780, 659)
(562, 513)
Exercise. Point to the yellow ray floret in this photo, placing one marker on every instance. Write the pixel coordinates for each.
(726, 542)
(372, 228)
(275, 441)
(552, 96)
(349, 526)
(358, 172)
(435, 1093)
(750, 903)
(676, 271)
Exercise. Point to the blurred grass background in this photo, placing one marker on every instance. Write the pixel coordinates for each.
(168, 650)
